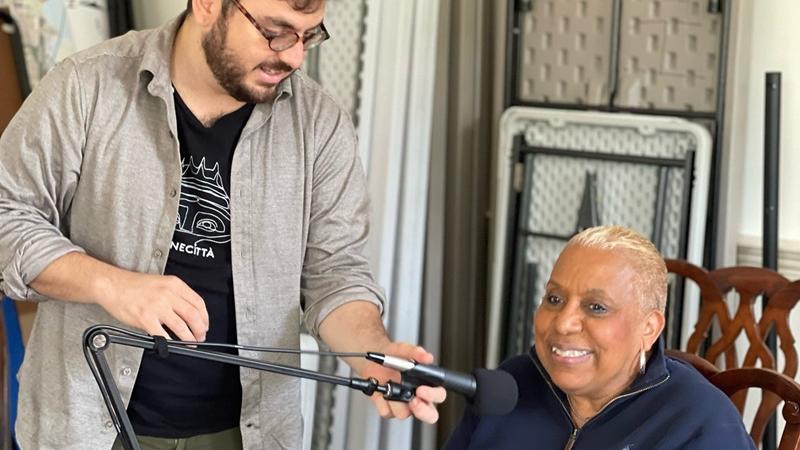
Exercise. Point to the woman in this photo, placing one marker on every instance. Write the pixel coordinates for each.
(597, 377)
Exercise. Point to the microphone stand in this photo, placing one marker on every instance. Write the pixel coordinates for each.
(98, 338)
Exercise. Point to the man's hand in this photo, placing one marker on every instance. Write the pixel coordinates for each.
(143, 301)
(357, 327)
(423, 406)
(153, 302)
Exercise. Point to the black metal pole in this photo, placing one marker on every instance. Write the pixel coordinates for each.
(772, 137)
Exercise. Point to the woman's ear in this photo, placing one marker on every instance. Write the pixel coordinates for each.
(653, 326)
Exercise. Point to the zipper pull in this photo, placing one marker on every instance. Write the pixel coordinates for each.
(572, 438)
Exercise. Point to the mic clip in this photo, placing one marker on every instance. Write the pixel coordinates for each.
(403, 391)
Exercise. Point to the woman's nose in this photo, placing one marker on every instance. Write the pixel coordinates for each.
(569, 320)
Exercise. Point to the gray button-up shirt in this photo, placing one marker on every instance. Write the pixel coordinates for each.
(91, 164)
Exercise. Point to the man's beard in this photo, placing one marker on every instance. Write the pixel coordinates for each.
(228, 74)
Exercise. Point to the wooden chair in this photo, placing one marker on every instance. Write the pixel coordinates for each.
(772, 384)
(736, 381)
(775, 317)
(749, 283)
(702, 365)
(712, 306)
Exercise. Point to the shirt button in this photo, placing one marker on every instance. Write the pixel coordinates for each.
(158, 253)
(173, 192)
(108, 424)
(126, 371)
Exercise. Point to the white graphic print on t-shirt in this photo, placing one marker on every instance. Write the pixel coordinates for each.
(204, 212)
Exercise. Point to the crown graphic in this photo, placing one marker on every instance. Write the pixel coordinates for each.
(199, 170)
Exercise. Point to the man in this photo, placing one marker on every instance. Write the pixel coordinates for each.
(188, 180)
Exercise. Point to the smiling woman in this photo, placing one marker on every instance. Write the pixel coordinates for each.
(597, 376)
(601, 313)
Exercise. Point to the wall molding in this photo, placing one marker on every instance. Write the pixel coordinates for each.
(748, 253)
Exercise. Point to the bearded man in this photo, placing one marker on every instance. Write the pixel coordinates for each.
(192, 183)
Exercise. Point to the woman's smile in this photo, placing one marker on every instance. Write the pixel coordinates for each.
(562, 354)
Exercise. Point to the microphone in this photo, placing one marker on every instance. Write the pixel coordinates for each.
(490, 392)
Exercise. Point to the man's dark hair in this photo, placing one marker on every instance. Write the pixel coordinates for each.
(307, 6)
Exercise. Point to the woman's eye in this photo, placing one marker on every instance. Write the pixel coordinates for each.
(552, 299)
(597, 308)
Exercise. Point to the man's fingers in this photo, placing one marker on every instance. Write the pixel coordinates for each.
(382, 406)
(399, 410)
(154, 328)
(430, 394)
(178, 327)
(423, 411)
(419, 408)
(421, 355)
(193, 318)
(185, 292)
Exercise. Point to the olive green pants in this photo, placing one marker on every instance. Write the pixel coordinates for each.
(224, 440)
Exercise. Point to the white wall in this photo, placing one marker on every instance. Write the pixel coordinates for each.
(772, 38)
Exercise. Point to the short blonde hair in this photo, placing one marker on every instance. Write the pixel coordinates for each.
(644, 256)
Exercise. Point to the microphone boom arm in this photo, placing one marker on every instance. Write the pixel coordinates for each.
(98, 338)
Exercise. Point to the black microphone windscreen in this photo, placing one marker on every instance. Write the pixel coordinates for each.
(496, 392)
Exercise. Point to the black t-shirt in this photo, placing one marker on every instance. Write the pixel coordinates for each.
(179, 396)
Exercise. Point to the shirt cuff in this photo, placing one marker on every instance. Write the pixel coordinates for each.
(28, 261)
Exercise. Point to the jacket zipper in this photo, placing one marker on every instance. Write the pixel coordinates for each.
(572, 438)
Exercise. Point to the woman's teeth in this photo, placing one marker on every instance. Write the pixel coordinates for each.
(569, 353)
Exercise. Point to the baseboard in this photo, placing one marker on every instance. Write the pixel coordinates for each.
(749, 253)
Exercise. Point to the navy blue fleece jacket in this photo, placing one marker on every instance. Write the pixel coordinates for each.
(670, 406)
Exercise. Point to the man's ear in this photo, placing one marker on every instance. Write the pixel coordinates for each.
(206, 12)
(653, 326)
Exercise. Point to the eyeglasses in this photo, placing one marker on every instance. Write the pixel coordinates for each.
(279, 42)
